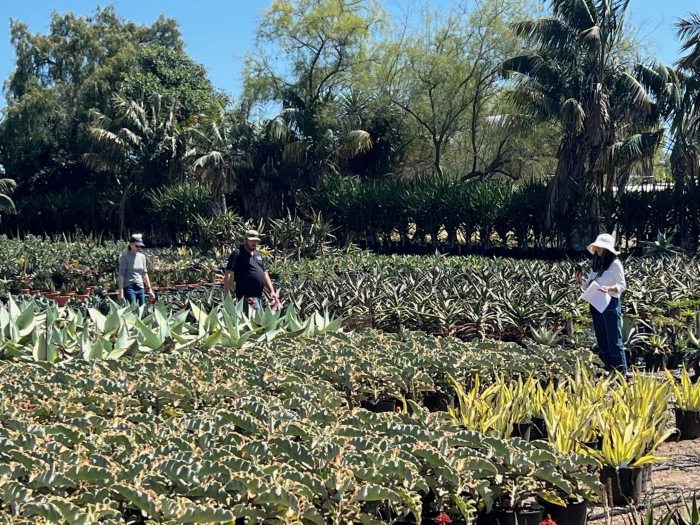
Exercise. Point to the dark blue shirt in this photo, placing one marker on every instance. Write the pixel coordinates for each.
(248, 272)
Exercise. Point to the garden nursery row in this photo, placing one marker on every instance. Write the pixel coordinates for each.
(468, 297)
(335, 428)
(386, 390)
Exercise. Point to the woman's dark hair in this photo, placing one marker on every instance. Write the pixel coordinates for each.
(603, 262)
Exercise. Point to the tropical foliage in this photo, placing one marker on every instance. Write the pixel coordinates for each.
(419, 133)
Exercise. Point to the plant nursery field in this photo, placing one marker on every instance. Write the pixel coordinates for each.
(387, 390)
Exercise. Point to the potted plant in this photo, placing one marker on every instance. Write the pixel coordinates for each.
(656, 358)
(627, 447)
(518, 504)
(568, 501)
(687, 409)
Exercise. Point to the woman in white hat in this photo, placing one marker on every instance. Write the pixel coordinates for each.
(608, 272)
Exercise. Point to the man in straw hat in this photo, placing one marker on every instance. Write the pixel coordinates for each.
(245, 267)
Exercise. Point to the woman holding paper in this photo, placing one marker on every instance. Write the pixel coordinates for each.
(607, 277)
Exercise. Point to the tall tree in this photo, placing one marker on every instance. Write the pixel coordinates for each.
(172, 74)
(445, 75)
(217, 154)
(323, 43)
(141, 143)
(577, 73)
(58, 78)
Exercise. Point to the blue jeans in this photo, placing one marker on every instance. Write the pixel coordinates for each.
(257, 303)
(608, 333)
(135, 294)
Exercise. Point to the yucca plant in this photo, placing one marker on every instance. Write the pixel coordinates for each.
(643, 397)
(630, 445)
(686, 393)
(571, 421)
(633, 422)
(483, 409)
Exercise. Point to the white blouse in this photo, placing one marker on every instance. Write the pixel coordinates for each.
(613, 276)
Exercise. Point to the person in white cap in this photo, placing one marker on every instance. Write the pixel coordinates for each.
(608, 272)
(245, 267)
(133, 273)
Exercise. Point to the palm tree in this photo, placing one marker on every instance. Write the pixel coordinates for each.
(677, 95)
(217, 154)
(577, 74)
(291, 151)
(689, 31)
(142, 143)
(7, 186)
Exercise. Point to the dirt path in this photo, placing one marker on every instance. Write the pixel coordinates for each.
(678, 475)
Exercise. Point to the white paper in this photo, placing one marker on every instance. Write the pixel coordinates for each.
(599, 300)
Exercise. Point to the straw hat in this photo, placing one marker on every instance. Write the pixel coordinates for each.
(251, 235)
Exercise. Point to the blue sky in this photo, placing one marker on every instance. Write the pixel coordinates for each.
(218, 33)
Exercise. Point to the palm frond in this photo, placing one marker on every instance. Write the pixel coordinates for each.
(353, 143)
(573, 115)
(106, 137)
(530, 99)
(294, 152)
(547, 32)
(99, 162)
(7, 185)
(7, 202)
(579, 14)
(635, 92)
(591, 37)
(656, 77)
(278, 130)
(126, 135)
(212, 158)
(510, 123)
(634, 149)
(688, 30)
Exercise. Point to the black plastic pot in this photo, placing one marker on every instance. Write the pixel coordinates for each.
(575, 512)
(519, 517)
(383, 405)
(522, 430)
(436, 401)
(675, 360)
(622, 485)
(655, 362)
(596, 444)
(483, 519)
(539, 429)
(688, 423)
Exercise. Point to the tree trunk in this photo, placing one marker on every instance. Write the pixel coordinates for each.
(679, 168)
(437, 144)
(262, 200)
(122, 210)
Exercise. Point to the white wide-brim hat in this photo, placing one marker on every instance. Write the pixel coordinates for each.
(606, 241)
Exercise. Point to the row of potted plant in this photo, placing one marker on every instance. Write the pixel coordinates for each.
(218, 435)
(619, 424)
